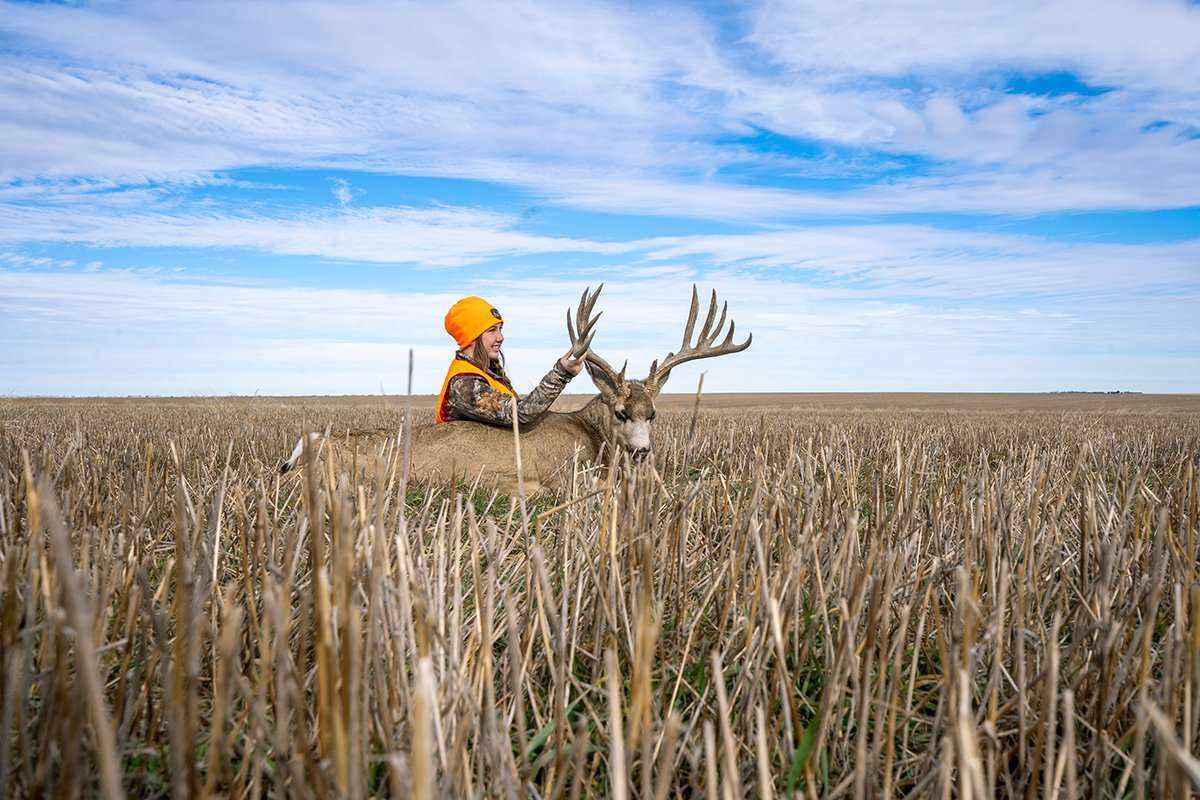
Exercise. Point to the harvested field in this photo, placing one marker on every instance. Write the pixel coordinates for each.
(814, 595)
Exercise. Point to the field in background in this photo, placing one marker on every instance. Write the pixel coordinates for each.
(859, 595)
(783, 401)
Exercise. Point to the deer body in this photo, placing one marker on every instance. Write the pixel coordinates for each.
(469, 450)
(619, 417)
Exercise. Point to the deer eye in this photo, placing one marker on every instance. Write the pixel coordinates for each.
(621, 415)
(653, 414)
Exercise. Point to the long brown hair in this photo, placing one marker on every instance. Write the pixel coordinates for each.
(478, 355)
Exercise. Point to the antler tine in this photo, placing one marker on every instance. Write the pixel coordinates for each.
(583, 329)
(584, 321)
(720, 324)
(708, 319)
(587, 327)
(579, 343)
(704, 346)
(691, 323)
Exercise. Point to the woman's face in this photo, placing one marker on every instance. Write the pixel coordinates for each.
(492, 338)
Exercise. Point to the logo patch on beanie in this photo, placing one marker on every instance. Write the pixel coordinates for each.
(495, 313)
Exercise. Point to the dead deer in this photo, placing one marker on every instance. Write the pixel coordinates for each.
(618, 419)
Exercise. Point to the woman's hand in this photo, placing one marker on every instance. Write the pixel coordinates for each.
(571, 363)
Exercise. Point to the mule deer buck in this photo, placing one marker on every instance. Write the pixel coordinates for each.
(618, 418)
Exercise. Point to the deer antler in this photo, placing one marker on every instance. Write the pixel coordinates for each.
(585, 322)
(703, 348)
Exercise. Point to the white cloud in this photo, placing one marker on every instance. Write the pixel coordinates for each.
(437, 237)
(1152, 44)
(115, 118)
(22, 261)
(614, 107)
(1143, 178)
(915, 260)
(899, 259)
(213, 87)
(128, 333)
(343, 192)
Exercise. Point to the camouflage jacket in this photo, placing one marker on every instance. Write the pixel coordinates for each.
(470, 397)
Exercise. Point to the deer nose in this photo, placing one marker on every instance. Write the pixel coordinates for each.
(640, 453)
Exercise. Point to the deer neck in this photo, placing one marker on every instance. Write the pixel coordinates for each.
(596, 417)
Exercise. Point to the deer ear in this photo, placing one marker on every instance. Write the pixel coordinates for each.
(602, 379)
(655, 384)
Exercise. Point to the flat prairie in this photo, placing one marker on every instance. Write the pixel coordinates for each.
(799, 595)
(1097, 402)
(918, 401)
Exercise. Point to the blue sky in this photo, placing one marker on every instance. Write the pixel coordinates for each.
(230, 198)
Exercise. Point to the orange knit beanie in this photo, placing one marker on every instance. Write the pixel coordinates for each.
(470, 317)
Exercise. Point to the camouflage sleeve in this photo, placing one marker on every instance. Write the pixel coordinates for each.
(470, 397)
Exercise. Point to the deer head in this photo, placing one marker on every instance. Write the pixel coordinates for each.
(631, 402)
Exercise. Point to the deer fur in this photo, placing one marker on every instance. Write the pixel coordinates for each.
(618, 419)
(470, 451)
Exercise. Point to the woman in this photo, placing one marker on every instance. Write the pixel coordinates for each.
(476, 387)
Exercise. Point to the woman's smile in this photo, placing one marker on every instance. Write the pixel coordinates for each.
(492, 338)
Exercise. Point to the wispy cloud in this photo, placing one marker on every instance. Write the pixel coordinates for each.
(900, 259)
(22, 261)
(914, 260)
(541, 94)
(439, 237)
(786, 144)
(849, 335)
(343, 192)
(1118, 42)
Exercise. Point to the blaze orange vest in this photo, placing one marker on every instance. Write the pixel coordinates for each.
(460, 367)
